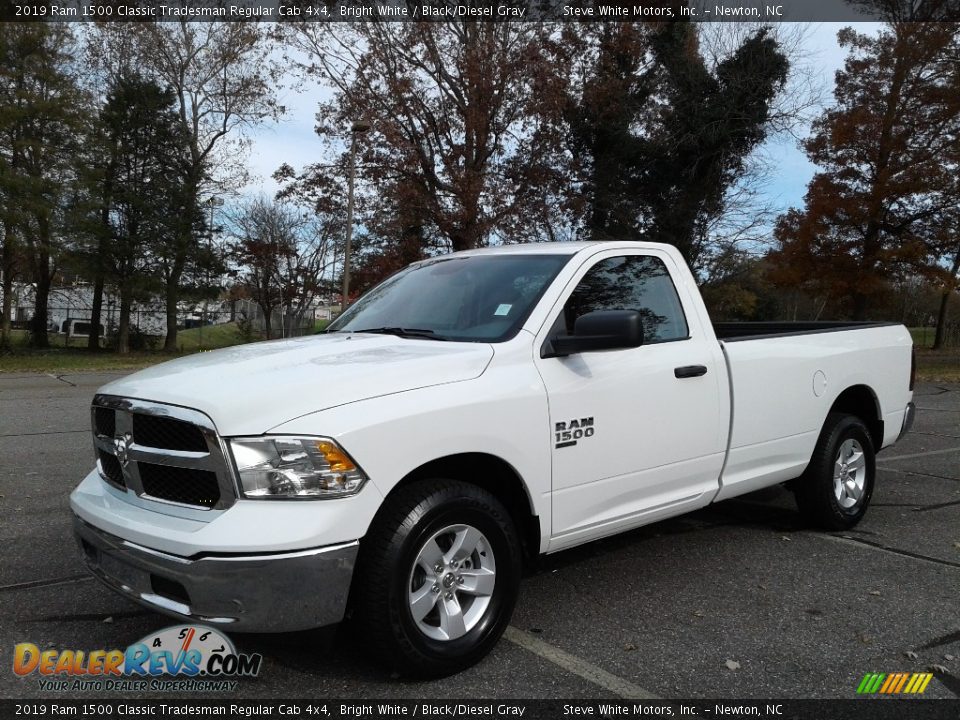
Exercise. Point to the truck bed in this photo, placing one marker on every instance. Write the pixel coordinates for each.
(782, 389)
(736, 331)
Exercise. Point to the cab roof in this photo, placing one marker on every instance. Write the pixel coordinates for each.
(555, 248)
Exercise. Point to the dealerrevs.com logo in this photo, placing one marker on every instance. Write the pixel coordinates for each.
(179, 658)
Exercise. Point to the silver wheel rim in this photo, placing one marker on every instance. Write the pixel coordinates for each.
(849, 474)
(451, 582)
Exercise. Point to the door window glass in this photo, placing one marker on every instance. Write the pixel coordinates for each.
(631, 282)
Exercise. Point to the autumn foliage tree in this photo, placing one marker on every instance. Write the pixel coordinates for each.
(886, 186)
(453, 150)
(507, 132)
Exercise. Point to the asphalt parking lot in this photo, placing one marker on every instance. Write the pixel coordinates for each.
(737, 601)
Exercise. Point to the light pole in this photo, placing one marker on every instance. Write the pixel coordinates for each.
(110, 305)
(214, 202)
(358, 128)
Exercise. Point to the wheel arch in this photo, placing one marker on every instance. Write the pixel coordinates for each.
(496, 476)
(861, 401)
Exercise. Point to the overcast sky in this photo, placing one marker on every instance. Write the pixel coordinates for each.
(293, 140)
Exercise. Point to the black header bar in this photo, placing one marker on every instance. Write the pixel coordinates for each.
(368, 709)
(765, 11)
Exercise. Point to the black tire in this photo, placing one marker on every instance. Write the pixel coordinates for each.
(824, 501)
(388, 573)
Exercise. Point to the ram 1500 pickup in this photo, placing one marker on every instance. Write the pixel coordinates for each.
(471, 412)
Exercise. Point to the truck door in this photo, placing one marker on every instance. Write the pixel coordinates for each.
(637, 434)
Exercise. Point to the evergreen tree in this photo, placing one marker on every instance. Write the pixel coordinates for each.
(142, 188)
(43, 123)
(660, 134)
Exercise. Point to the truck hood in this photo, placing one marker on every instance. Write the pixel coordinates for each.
(249, 389)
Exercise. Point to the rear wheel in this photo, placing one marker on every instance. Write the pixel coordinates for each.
(438, 577)
(835, 490)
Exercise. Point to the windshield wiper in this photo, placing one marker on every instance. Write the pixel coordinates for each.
(404, 332)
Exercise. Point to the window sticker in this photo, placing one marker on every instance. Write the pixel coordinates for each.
(503, 309)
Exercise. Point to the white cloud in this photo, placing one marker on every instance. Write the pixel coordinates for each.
(292, 140)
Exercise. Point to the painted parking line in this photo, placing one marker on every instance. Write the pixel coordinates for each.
(45, 432)
(578, 666)
(61, 379)
(29, 585)
(878, 547)
(883, 459)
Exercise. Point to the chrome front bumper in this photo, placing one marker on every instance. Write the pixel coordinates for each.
(277, 592)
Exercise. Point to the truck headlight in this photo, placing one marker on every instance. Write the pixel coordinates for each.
(282, 467)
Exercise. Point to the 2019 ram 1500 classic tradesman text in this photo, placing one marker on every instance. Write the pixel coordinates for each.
(471, 411)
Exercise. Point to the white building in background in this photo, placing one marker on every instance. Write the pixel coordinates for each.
(70, 308)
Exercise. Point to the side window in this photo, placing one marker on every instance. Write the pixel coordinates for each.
(631, 282)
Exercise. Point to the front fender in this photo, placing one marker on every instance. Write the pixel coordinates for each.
(503, 413)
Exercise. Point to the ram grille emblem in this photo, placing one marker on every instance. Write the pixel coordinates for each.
(121, 444)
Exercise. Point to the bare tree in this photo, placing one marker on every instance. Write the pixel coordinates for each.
(803, 95)
(283, 254)
(222, 75)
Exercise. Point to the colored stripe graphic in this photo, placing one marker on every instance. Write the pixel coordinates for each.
(894, 683)
(890, 682)
(870, 683)
(901, 678)
(901, 682)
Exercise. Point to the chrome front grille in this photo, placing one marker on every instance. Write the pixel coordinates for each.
(167, 433)
(161, 452)
(110, 469)
(183, 485)
(104, 421)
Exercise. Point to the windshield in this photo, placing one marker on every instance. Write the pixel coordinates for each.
(472, 298)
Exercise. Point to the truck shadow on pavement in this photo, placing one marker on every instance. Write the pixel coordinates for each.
(337, 653)
(772, 508)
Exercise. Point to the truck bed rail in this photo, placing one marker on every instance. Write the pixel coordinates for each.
(735, 331)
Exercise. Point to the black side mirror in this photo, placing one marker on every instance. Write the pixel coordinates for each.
(599, 330)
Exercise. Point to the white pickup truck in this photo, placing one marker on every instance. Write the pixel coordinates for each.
(471, 412)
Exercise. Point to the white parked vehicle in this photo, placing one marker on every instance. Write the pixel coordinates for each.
(80, 328)
(468, 414)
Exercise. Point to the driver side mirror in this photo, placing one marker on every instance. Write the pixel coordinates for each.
(598, 330)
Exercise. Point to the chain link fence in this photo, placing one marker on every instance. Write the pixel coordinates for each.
(251, 320)
(923, 336)
(69, 325)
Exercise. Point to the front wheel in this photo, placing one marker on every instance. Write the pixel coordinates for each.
(836, 487)
(438, 577)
